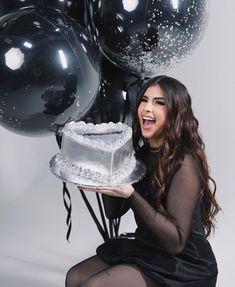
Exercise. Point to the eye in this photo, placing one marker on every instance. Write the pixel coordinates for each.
(143, 99)
(160, 101)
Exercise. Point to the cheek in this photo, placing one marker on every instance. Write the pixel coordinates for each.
(139, 111)
(165, 112)
(163, 115)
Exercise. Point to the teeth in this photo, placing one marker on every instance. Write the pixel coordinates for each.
(148, 118)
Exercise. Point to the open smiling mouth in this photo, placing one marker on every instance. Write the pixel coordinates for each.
(148, 120)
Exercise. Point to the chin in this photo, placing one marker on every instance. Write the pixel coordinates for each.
(147, 135)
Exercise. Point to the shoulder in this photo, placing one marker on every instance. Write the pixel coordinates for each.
(190, 162)
(185, 159)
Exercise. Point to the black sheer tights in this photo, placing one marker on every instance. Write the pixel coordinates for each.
(93, 272)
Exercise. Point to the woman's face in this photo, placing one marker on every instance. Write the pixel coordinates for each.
(152, 114)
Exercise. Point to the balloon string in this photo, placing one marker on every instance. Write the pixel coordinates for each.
(101, 230)
(140, 85)
(101, 212)
(68, 206)
(111, 228)
(89, 22)
(58, 139)
(66, 196)
(117, 222)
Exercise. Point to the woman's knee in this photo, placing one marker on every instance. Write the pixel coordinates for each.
(84, 270)
(91, 282)
(73, 278)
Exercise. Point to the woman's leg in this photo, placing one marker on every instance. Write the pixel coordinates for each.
(84, 270)
(124, 275)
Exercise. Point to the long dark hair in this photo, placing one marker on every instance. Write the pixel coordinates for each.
(180, 135)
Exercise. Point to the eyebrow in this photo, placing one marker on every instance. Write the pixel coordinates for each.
(155, 98)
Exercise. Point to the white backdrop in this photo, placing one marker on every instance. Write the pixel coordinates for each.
(33, 248)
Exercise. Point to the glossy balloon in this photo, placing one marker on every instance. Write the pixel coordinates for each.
(116, 97)
(78, 12)
(49, 71)
(7, 6)
(73, 8)
(147, 37)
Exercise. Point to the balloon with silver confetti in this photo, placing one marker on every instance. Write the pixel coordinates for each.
(147, 37)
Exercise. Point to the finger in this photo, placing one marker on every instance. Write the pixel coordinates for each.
(89, 189)
(110, 192)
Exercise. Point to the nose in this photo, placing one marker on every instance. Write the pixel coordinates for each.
(148, 106)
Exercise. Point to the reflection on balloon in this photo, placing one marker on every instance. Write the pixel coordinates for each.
(49, 70)
(147, 37)
(116, 97)
(78, 12)
(7, 6)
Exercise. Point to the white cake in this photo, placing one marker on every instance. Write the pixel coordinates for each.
(102, 152)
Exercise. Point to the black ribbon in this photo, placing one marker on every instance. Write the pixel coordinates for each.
(68, 206)
(101, 212)
(102, 230)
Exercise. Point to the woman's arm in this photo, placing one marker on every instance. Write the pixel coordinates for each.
(182, 197)
(181, 200)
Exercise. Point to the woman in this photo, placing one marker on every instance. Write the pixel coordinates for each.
(174, 204)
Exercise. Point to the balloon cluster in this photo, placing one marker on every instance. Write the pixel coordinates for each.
(86, 59)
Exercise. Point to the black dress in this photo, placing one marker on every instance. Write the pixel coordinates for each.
(175, 255)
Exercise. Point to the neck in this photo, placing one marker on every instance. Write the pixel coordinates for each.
(155, 143)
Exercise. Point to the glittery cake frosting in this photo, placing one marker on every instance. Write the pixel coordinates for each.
(102, 152)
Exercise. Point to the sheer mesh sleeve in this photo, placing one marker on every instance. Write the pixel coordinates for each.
(181, 200)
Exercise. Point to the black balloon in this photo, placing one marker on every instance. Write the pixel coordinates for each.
(147, 37)
(7, 6)
(78, 11)
(116, 97)
(49, 70)
(73, 8)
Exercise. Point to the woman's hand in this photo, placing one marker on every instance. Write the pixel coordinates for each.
(120, 190)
